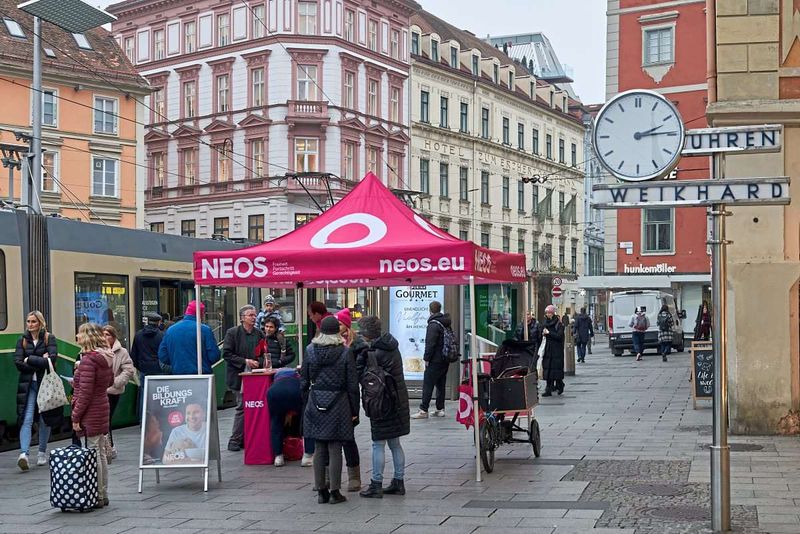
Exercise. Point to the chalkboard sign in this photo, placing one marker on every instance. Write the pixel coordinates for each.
(702, 371)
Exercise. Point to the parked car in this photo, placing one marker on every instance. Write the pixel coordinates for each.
(621, 307)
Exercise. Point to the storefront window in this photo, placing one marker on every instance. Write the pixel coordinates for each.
(103, 299)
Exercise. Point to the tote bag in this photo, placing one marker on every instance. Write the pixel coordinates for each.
(51, 391)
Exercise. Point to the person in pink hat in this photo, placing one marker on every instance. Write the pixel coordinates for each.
(178, 349)
(346, 326)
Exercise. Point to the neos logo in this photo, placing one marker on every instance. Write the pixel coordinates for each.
(517, 271)
(376, 227)
(254, 404)
(483, 262)
(228, 268)
(427, 227)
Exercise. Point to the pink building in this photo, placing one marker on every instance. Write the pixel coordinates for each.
(248, 93)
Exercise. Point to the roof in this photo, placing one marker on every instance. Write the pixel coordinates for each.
(105, 58)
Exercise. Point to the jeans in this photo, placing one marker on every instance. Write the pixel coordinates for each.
(666, 348)
(237, 433)
(435, 376)
(284, 397)
(581, 350)
(638, 342)
(379, 458)
(328, 452)
(26, 429)
(100, 442)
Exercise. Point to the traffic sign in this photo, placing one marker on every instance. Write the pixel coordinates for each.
(557, 281)
(557, 292)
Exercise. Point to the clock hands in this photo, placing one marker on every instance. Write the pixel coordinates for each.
(652, 131)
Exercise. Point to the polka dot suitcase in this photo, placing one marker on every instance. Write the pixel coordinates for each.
(73, 478)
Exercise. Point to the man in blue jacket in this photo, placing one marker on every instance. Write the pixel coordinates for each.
(179, 346)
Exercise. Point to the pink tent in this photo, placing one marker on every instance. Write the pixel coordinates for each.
(368, 238)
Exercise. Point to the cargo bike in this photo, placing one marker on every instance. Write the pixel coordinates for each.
(507, 394)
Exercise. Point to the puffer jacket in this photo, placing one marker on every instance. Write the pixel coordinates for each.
(123, 369)
(388, 357)
(276, 349)
(93, 376)
(36, 365)
(328, 380)
(144, 351)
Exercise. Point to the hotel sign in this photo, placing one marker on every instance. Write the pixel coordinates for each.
(707, 141)
(687, 193)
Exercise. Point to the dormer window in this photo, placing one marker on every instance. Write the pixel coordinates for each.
(13, 27)
(415, 43)
(82, 41)
(511, 80)
(496, 77)
(564, 105)
(476, 68)
(435, 51)
(454, 57)
(552, 103)
(533, 90)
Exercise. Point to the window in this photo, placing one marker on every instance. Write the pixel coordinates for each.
(435, 51)
(258, 156)
(372, 160)
(255, 228)
(463, 235)
(476, 69)
(510, 79)
(520, 196)
(560, 202)
(350, 25)
(395, 165)
(657, 230)
(157, 227)
(484, 187)
(158, 165)
(49, 108)
(223, 29)
(573, 150)
(223, 163)
(373, 105)
(485, 239)
(535, 256)
(463, 126)
(564, 107)
(552, 102)
(444, 180)
(102, 299)
(257, 89)
(535, 206)
(82, 41)
(520, 244)
(454, 57)
(259, 21)
(306, 82)
(104, 177)
(188, 228)
(349, 89)
(159, 44)
(415, 43)
(506, 132)
(561, 254)
(496, 73)
(306, 153)
(549, 146)
(394, 45)
(189, 37)
(424, 115)
(372, 36)
(15, 30)
(223, 91)
(49, 171)
(105, 115)
(485, 123)
(159, 104)
(658, 43)
(424, 176)
(561, 155)
(463, 183)
(307, 12)
(302, 218)
(443, 112)
(574, 259)
(349, 161)
(506, 243)
(130, 49)
(189, 166)
(190, 98)
(221, 226)
(548, 203)
(535, 141)
(394, 108)
(520, 136)
(506, 192)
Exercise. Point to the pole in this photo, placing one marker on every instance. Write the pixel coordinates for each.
(525, 310)
(197, 329)
(36, 141)
(11, 185)
(298, 304)
(720, 451)
(473, 351)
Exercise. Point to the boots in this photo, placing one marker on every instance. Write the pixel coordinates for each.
(324, 496)
(337, 497)
(354, 478)
(397, 487)
(373, 491)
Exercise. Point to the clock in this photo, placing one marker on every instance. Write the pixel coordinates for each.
(638, 135)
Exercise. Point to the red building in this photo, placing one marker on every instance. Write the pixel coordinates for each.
(660, 45)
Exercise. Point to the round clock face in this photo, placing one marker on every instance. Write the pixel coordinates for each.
(638, 135)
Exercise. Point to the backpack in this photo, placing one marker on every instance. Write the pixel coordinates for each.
(641, 323)
(378, 390)
(450, 352)
(664, 321)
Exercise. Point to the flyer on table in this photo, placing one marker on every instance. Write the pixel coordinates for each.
(409, 311)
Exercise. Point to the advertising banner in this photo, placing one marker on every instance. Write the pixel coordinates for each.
(408, 320)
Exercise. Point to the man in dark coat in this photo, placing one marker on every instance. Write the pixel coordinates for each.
(551, 332)
(436, 366)
(144, 351)
(383, 346)
(583, 331)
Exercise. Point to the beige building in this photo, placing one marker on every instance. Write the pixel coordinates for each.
(756, 53)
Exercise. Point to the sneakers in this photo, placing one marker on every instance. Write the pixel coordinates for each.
(307, 461)
(22, 462)
(41, 459)
(279, 461)
(639, 357)
(422, 414)
(663, 357)
(113, 453)
(438, 413)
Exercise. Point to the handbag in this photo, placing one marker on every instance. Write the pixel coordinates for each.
(51, 391)
(542, 346)
(292, 448)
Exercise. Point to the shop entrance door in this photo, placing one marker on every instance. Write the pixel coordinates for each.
(167, 297)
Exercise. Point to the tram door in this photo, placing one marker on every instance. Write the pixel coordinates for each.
(167, 297)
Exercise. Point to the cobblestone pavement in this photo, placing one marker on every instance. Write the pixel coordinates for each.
(623, 452)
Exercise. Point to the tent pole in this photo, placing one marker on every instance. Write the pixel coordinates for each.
(197, 330)
(473, 350)
(298, 304)
(525, 306)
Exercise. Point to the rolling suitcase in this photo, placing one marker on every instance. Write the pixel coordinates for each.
(73, 478)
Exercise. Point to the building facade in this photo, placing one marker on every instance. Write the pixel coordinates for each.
(482, 128)
(91, 136)
(247, 96)
(654, 44)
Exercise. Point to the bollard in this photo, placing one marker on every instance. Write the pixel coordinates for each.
(569, 351)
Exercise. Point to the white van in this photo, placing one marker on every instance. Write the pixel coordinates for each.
(621, 307)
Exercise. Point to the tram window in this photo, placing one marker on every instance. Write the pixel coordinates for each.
(221, 312)
(3, 294)
(284, 303)
(103, 299)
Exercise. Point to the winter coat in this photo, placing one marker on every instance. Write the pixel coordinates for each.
(235, 352)
(328, 380)
(665, 325)
(262, 316)
(275, 347)
(388, 357)
(553, 359)
(123, 369)
(582, 329)
(144, 350)
(94, 374)
(36, 365)
(434, 337)
(533, 326)
(702, 325)
(179, 347)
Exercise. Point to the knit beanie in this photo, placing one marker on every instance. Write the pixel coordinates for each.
(343, 316)
(191, 309)
(370, 327)
(329, 325)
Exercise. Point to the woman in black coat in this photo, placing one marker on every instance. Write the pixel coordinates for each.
(328, 381)
(274, 345)
(389, 429)
(551, 331)
(583, 332)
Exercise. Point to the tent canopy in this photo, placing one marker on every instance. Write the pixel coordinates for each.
(369, 238)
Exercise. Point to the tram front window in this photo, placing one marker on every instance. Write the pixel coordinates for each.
(103, 299)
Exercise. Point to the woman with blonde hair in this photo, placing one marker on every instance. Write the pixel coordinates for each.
(34, 351)
(90, 408)
(123, 372)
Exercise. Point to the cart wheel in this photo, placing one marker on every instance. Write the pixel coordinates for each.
(487, 448)
(536, 438)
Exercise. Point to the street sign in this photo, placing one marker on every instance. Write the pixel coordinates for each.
(557, 292)
(688, 193)
(557, 281)
(707, 141)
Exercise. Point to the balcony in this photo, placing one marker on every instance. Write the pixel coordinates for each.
(307, 112)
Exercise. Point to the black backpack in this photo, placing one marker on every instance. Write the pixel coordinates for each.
(450, 352)
(378, 390)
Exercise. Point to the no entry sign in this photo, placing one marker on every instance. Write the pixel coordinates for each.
(557, 292)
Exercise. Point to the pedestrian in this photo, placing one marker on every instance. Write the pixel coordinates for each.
(351, 455)
(94, 374)
(239, 351)
(144, 352)
(269, 310)
(702, 325)
(123, 372)
(317, 311)
(328, 380)
(386, 430)
(283, 398)
(584, 332)
(273, 347)
(532, 328)
(665, 324)
(436, 365)
(551, 332)
(346, 326)
(178, 349)
(640, 323)
(35, 350)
